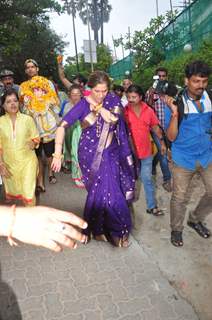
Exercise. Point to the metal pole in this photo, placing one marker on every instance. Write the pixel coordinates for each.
(129, 38)
(89, 37)
(171, 7)
(71, 10)
(157, 9)
(75, 42)
(173, 28)
(114, 48)
(190, 28)
(102, 23)
(122, 47)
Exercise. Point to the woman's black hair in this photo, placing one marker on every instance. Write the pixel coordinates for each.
(80, 78)
(118, 88)
(136, 89)
(197, 68)
(7, 93)
(73, 87)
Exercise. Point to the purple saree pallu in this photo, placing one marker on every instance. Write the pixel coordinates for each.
(108, 171)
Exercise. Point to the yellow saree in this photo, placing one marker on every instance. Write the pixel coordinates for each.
(18, 157)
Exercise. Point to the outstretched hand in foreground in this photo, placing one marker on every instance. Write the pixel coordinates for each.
(42, 226)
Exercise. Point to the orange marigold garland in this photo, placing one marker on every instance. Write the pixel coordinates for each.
(38, 94)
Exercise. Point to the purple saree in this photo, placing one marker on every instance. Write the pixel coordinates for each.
(106, 163)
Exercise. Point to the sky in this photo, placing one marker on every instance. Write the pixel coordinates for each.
(135, 14)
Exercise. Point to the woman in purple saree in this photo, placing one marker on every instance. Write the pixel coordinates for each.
(105, 160)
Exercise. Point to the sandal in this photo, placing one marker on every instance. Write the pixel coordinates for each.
(176, 238)
(155, 212)
(52, 179)
(200, 229)
(119, 242)
(66, 170)
(39, 189)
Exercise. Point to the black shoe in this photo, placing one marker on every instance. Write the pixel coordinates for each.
(200, 229)
(155, 212)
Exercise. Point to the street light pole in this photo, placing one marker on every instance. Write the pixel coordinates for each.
(75, 43)
(171, 7)
(89, 37)
(157, 9)
(71, 10)
(114, 49)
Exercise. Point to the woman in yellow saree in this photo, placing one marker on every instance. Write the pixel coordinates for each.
(18, 162)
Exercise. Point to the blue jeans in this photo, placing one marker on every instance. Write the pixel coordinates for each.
(162, 159)
(146, 177)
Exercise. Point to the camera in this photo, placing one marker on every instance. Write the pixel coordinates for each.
(164, 87)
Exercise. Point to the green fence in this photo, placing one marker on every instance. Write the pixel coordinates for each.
(191, 26)
(120, 69)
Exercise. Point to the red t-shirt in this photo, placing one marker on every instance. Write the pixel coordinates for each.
(140, 128)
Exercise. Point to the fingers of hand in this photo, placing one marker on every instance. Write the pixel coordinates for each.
(163, 151)
(64, 240)
(73, 233)
(70, 218)
(51, 244)
(59, 58)
(6, 173)
(168, 100)
(56, 165)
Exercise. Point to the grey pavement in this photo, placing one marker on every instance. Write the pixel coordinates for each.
(96, 281)
(188, 269)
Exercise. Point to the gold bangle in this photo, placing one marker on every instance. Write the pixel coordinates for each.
(10, 234)
(57, 156)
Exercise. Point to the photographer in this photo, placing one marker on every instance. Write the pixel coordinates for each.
(188, 123)
(155, 99)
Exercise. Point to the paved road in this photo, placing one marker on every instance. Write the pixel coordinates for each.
(95, 282)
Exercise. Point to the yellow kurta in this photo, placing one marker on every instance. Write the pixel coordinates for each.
(19, 158)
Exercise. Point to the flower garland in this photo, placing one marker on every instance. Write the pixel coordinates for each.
(37, 94)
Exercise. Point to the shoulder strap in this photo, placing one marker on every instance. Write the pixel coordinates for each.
(180, 105)
(62, 107)
(209, 92)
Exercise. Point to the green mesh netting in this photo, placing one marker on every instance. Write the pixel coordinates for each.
(120, 69)
(191, 26)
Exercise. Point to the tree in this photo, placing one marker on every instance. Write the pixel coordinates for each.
(71, 7)
(104, 59)
(25, 33)
(31, 8)
(71, 69)
(149, 45)
(176, 66)
(98, 12)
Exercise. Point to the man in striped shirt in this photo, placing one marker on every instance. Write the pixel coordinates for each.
(155, 100)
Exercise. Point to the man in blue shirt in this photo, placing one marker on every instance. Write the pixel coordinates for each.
(188, 123)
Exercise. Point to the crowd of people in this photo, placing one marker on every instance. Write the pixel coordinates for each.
(105, 138)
